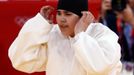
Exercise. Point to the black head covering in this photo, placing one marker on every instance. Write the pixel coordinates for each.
(119, 5)
(75, 6)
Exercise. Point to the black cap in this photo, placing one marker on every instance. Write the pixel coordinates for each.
(75, 6)
(119, 5)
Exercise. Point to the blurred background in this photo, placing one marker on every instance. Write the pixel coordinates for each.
(118, 15)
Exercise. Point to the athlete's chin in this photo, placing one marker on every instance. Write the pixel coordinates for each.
(68, 34)
(65, 34)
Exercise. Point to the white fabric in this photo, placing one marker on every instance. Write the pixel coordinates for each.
(41, 47)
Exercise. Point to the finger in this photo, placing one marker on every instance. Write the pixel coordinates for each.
(89, 18)
(51, 19)
(46, 11)
(84, 15)
(45, 8)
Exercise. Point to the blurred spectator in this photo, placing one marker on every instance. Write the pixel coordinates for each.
(125, 9)
(114, 20)
(131, 3)
(107, 16)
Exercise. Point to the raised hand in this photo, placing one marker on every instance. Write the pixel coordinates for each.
(46, 12)
(84, 22)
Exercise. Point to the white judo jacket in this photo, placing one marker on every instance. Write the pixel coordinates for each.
(41, 47)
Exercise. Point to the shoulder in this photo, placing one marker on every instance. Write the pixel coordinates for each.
(97, 27)
(98, 30)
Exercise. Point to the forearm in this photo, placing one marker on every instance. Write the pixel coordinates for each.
(95, 57)
(97, 49)
(29, 48)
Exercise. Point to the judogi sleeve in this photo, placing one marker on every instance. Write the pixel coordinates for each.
(28, 52)
(97, 49)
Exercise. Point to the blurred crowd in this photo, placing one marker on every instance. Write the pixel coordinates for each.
(118, 15)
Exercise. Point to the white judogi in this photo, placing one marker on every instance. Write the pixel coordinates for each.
(41, 47)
